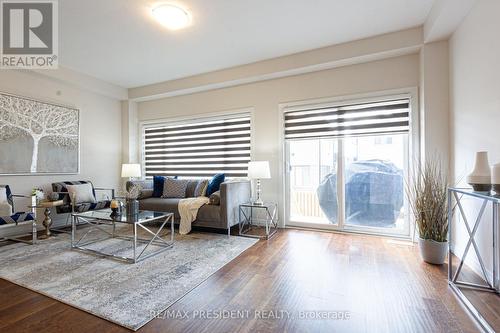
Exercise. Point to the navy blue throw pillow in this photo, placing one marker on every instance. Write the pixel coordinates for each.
(214, 183)
(158, 182)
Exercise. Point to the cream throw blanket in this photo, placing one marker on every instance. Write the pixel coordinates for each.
(188, 209)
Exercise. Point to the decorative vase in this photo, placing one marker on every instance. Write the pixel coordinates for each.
(495, 178)
(114, 212)
(433, 252)
(480, 178)
(132, 207)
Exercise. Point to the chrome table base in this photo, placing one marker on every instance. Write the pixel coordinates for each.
(138, 255)
(246, 219)
(453, 277)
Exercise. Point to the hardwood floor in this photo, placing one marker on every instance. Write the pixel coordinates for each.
(381, 284)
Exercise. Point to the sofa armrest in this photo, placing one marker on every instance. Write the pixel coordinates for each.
(232, 194)
(146, 186)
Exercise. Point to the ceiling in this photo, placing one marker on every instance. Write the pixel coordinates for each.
(118, 41)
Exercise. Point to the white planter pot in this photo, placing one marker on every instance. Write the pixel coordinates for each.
(433, 252)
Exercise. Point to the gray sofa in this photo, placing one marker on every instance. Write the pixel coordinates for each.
(223, 216)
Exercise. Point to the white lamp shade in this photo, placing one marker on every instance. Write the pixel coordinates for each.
(259, 170)
(131, 170)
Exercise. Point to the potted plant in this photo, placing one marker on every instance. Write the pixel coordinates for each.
(427, 195)
(37, 195)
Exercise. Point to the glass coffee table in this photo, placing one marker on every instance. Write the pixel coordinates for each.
(99, 219)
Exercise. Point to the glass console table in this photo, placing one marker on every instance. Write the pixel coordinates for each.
(490, 280)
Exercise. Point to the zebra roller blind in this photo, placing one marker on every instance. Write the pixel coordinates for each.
(387, 117)
(198, 149)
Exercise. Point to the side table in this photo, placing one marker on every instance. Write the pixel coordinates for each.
(47, 221)
(247, 219)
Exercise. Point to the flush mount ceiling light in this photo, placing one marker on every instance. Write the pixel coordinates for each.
(171, 16)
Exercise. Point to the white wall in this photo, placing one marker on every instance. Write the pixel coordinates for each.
(264, 97)
(475, 103)
(100, 130)
(434, 102)
(392, 44)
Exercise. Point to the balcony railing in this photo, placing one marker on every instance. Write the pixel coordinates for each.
(305, 203)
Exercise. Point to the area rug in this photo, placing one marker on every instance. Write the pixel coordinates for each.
(126, 294)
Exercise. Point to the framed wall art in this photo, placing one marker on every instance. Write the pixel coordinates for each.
(37, 137)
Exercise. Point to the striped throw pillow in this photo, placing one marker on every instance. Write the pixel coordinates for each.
(201, 188)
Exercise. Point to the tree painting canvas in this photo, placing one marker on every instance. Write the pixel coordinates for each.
(37, 137)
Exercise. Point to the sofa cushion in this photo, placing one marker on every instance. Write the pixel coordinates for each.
(191, 188)
(81, 193)
(201, 188)
(84, 207)
(214, 183)
(146, 193)
(158, 182)
(214, 198)
(169, 205)
(208, 213)
(175, 188)
(61, 188)
(16, 218)
(145, 186)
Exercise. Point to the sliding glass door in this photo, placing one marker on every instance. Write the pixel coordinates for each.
(310, 162)
(346, 181)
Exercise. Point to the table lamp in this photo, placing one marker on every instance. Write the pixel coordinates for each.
(258, 170)
(131, 171)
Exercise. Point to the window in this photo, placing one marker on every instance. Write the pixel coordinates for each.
(198, 148)
(356, 158)
(383, 140)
